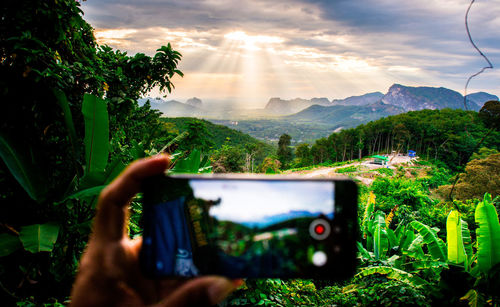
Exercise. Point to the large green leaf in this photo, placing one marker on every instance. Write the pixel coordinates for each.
(22, 167)
(380, 240)
(90, 192)
(435, 245)
(63, 103)
(39, 237)
(488, 234)
(456, 250)
(466, 239)
(8, 244)
(96, 138)
(190, 164)
(393, 273)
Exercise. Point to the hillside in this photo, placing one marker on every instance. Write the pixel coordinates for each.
(221, 135)
(346, 115)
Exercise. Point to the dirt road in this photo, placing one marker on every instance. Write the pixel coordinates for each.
(364, 165)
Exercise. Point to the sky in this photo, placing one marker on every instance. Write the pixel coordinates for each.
(247, 51)
(249, 201)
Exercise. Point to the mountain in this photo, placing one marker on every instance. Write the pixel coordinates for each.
(420, 98)
(278, 218)
(480, 98)
(362, 100)
(346, 115)
(195, 102)
(173, 108)
(278, 106)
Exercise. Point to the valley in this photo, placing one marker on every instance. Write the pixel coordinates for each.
(306, 120)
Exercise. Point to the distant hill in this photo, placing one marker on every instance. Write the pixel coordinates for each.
(195, 102)
(346, 115)
(222, 134)
(480, 98)
(362, 100)
(174, 108)
(278, 106)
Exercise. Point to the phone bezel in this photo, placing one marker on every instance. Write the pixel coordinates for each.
(344, 226)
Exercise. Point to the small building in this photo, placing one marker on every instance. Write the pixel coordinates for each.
(412, 153)
(381, 160)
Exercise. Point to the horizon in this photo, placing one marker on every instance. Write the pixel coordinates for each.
(306, 48)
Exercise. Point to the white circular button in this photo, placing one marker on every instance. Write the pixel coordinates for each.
(319, 258)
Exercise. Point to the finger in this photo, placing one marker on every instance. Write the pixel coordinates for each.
(203, 291)
(111, 214)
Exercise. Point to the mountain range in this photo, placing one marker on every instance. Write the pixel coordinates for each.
(278, 218)
(309, 119)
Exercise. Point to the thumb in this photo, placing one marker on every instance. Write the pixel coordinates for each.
(203, 291)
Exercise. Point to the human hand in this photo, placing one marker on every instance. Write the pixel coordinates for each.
(109, 272)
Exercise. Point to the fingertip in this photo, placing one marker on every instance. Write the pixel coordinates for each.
(219, 289)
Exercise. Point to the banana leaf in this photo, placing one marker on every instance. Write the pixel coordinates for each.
(190, 164)
(370, 206)
(380, 240)
(8, 244)
(63, 103)
(393, 273)
(435, 245)
(23, 167)
(466, 239)
(39, 237)
(488, 234)
(96, 138)
(456, 250)
(393, 242)
(415, 250)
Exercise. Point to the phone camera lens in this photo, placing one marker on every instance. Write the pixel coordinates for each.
(319, 229)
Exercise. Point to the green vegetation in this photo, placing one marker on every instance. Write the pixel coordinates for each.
(71, 122)
(450, 136)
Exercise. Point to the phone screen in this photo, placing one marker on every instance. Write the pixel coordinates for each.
(240, 228)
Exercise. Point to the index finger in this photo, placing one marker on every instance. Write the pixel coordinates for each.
(110, 220)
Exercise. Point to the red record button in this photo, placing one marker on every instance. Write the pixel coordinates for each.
(319, 229)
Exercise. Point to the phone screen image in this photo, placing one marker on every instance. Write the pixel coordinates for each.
(239, 228)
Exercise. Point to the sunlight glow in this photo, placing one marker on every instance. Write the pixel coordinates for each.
(252, 41)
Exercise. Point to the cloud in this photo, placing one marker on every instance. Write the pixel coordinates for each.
(335, 44)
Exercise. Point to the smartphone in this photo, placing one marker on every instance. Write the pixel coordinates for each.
(249, 227)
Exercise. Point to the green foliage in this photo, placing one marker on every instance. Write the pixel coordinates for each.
(270, 165)
(285, 152)
(96, 140)
(483, 153)
(488, 235)
(228, 159)
(58, 135)
(39, 238)
(446, 135)
(456, 249)
(435, 245)
(481, 176)
(220, 136)
(22, 168)
(347, 169)
(303, 155)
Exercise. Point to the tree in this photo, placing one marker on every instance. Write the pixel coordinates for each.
(53, 73)
(228, 159)
(303, 154)
(270, 165)
(490, 114)
(285, 153)
(480, 176)
(198, 137)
